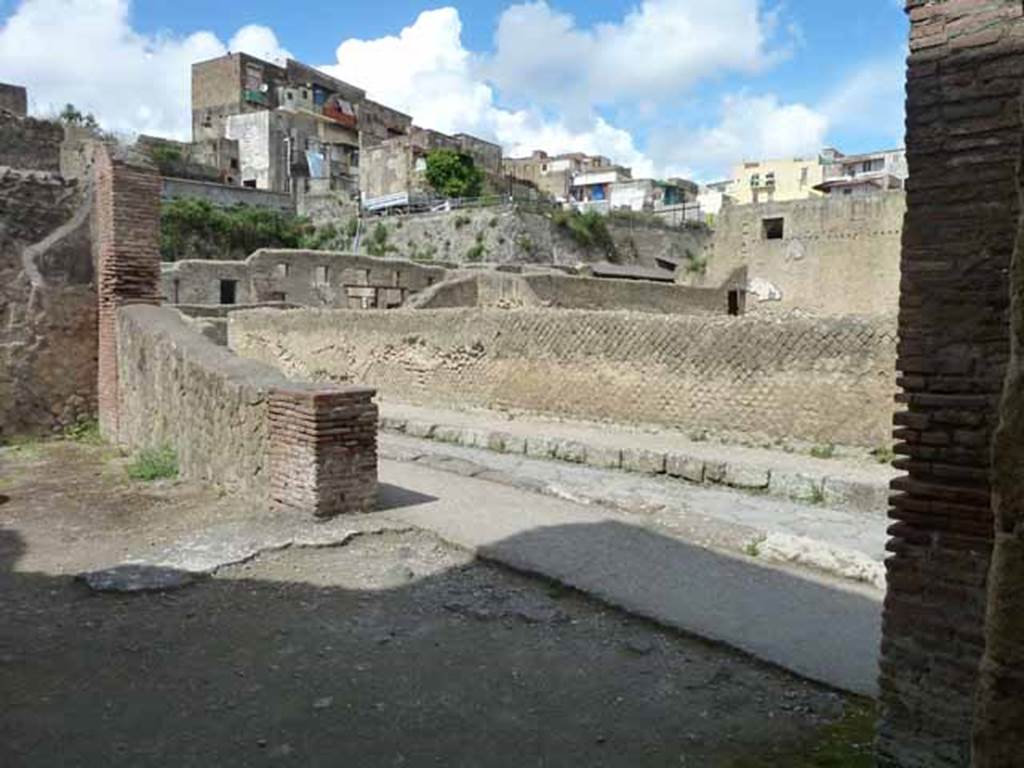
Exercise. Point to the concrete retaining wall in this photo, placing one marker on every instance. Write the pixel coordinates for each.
(828, 381)
(225, 195)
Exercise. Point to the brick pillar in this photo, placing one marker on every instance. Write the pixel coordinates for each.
(127, 236)
(323, 450)
(963, 134)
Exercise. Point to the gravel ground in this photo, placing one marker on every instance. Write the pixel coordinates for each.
(392, 649)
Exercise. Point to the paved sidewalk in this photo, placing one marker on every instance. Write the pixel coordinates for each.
(844, 482)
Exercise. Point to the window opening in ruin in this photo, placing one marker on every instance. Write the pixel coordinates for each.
(320, 277)
(234, 163)
(250, 183)
(227, 291)
(282, 269)
(773, 229)
(177, 291)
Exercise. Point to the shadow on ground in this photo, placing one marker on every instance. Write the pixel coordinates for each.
(394, 649)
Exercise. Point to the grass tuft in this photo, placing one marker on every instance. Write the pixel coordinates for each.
(86, 431)
(154, 464)
(823, 451)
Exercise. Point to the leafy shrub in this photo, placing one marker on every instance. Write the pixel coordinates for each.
(86, 431)
(588, 230)
(71, 115)
(330, 237)
(526, 245)
(165, 157)
(154, 464)
(461, 221)
(453, 174)
(377, 243)
(196, 228)
(476, 253)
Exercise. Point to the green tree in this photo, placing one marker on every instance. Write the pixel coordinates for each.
(453, 174)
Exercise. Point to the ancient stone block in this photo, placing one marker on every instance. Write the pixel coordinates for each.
(648, 462)
(685, 467)
(604, 457)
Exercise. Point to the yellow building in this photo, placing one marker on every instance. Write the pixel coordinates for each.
(776, 180)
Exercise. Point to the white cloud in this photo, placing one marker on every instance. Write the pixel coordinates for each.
(659, 49)
(552, 72)
(871, 100)
(427, 72)
(749, 127)
(259, 41)
(85, 52)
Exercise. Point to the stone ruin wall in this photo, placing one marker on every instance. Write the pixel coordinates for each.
(823, 381)
(301, 448)
(964, 133)
(48, 340)
(507, 290)
(838, 255)
(271, 275)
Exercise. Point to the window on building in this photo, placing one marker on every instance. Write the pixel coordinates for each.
(755, 180)
(282, 269)
(250, 183)
(233, 163)
(320, 276)
(774, 228)
(804, 173)
(176, 298)
(769, 179)
(228, 290)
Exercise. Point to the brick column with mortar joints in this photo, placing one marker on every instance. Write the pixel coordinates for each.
(127, 238)
(323, 450)
(963, 135)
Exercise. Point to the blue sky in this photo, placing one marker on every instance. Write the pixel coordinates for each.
(670, 86)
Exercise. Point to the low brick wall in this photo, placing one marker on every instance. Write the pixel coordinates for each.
(241, 423)
(820, 380)
(177, 388)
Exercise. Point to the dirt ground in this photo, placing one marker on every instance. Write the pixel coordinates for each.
(395, 649)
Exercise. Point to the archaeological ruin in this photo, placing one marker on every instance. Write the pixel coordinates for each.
(807, 327)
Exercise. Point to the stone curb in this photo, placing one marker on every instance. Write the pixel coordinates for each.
(854, 495)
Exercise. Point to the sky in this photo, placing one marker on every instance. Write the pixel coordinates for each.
(670, 87)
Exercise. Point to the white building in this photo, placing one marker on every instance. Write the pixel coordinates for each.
(863, 174)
